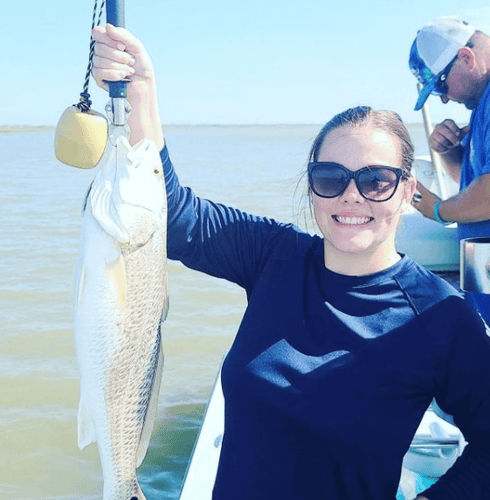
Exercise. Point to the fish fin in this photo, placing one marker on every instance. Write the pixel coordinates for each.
(152, 408)
(81, 283)
(86, 428)
(103, 211)
(116, 276)
(153, 405)
(166, 307)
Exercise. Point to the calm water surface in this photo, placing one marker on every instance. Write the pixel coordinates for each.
(254, 168)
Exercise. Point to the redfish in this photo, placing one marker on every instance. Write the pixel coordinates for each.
(121, 300)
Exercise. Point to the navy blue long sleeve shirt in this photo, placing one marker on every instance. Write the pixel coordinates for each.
(329, 375)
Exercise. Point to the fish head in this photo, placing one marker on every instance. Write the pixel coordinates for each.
(139, 178)
(128, 197)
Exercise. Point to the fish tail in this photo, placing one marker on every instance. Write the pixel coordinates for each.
(139, 495)
(122, 490)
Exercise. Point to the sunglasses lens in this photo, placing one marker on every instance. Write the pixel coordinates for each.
(441, 88)
(377, 184)
(328, 181)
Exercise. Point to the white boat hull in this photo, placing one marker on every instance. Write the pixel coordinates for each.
(203, 465)
(427, 242)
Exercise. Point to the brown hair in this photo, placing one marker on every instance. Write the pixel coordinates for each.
(388, 121)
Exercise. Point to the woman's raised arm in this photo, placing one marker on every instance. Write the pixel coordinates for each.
(120, 54)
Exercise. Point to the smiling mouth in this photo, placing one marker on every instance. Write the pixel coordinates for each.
(352, 221)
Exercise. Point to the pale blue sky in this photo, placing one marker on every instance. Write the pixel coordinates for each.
(230, 61)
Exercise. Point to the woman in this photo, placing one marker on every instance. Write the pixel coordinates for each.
(344, 342)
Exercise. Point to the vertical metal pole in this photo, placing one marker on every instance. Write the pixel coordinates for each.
(436, 161)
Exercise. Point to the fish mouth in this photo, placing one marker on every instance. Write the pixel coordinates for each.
(359, 220)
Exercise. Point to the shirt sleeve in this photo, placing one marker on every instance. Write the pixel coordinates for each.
(486, 166)
(221, 241)
(462, 389)
(479, 143)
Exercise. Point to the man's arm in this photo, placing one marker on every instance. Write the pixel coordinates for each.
(470, 205)
(451, 161)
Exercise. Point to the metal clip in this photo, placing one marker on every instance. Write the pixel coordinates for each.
(118, 111)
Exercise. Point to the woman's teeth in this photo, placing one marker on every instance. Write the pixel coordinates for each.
(354, 221)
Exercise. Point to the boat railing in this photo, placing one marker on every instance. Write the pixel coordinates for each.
(431, 442)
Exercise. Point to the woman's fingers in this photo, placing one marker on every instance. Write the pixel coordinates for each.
(113, 54)
(119, 54)
(110, 62)
(109, 70)
(118, 38)
(111, 36)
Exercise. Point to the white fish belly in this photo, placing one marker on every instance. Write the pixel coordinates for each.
(122, 300)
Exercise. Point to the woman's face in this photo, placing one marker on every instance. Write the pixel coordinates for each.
(359, 232)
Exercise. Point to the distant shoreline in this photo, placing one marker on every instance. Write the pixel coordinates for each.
(24, 128)
(45, 128)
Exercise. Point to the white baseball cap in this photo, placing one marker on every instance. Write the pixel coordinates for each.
(434, 48)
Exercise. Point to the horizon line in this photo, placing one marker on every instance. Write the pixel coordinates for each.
(26, 128)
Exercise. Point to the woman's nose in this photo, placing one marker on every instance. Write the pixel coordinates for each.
(351, 193)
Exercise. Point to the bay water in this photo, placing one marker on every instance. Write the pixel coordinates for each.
(254, 168)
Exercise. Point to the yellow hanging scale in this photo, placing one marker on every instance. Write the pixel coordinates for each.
(81, 135)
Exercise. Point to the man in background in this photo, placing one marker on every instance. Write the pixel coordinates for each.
(451, 59)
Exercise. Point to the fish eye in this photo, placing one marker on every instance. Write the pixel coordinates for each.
(157, 172)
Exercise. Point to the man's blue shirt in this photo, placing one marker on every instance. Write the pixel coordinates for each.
(476, 161)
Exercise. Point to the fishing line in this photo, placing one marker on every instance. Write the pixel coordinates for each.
(85, 102)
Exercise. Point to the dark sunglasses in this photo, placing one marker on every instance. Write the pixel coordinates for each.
(441, 87)
(375, 183)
